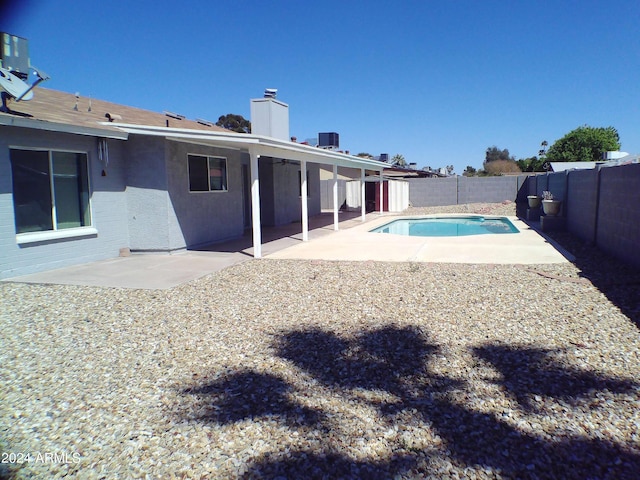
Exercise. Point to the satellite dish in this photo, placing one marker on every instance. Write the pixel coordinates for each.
(15, 88)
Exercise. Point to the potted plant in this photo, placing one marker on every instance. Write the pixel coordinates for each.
(534, 201)
(550, 206)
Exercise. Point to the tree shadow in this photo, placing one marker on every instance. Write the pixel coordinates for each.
(378, 360)
(397, 361)
(528, 372)
(249, 395)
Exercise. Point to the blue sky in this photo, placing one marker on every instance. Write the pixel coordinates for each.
(436, 81)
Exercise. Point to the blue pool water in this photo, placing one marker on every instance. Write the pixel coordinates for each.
(447, 226)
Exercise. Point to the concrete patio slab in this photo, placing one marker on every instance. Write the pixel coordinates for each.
(353, 242)
(358, 243)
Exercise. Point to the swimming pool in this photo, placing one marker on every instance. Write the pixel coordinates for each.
(448, 226)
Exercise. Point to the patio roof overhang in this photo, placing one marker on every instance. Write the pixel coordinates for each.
(257, 146)
(260, 145)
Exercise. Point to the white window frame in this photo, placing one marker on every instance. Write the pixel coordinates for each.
(55, 234)
(209, 157)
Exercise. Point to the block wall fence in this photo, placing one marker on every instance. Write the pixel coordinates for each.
(601, 206)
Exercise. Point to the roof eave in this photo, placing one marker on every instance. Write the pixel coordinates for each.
(34, 124)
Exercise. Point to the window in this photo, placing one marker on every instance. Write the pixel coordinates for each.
(50, 190)
(207, 174)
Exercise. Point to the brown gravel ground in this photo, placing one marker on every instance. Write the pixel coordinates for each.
(308, 369)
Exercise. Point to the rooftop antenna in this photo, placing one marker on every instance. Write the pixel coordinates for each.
(15, 70)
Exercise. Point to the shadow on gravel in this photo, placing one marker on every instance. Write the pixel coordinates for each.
(251, 396)
(530, 372)
(396, 361)
(617, 280)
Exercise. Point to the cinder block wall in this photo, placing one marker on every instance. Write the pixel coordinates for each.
(581, 200)
(618, 221)
(433, 192)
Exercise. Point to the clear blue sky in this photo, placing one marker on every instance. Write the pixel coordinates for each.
(436, 81)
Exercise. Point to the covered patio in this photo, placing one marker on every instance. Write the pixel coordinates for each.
(258, 146)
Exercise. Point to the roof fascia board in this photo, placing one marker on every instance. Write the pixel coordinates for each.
(33, 124)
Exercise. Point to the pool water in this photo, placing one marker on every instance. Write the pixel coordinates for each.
(448, 226)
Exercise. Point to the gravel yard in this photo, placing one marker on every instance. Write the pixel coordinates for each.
(318, 369)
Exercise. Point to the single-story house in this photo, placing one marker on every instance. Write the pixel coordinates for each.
(82, 179)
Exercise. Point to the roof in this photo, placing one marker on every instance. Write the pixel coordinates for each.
(51, 108)
(56, 111)
(562, 166)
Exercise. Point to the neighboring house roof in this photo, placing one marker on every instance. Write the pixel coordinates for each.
(51, 110)
(562, 166)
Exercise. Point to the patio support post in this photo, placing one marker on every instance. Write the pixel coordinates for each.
(303, 198)
(363, 196)
(335, 197)
(381, 194)
(255, 205)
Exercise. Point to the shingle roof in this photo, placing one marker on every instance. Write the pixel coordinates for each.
(59, 107)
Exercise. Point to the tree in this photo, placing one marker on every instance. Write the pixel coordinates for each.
(584, 144)
(450, 169)
(499, 167)
(469, 171)
(531, 164)
(235, 123)
(398, 160)
(494, 153)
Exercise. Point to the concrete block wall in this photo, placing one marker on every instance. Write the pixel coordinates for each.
(618, 221)
(433, 192)
(581, 203)
(487, 189)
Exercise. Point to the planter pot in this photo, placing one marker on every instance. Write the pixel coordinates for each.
(551, 207)
(534, 201)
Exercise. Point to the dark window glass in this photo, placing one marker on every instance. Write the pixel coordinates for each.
(198, 174)
(31, 191)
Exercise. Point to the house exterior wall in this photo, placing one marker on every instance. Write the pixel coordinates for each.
(199, 218)
(107, 205)
(163, 215)
(280, 201)
(146, 194)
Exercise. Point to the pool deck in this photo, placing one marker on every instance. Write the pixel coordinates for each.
(358, 243)
(353, 242)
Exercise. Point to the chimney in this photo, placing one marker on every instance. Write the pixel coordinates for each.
(270, 117)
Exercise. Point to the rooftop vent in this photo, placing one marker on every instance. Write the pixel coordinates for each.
(174, 115)
(270, 93)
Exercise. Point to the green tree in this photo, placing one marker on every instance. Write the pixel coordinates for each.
(235, 123)
(584, 144)
(494, 153)
(398, 160)
(469, 171)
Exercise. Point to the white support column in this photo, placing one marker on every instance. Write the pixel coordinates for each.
(363, 196)
(303, 198)
(255, 205)
(335, 197)
(381, 194)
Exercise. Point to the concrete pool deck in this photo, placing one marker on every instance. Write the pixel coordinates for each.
(353, 242)
(358, 243)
